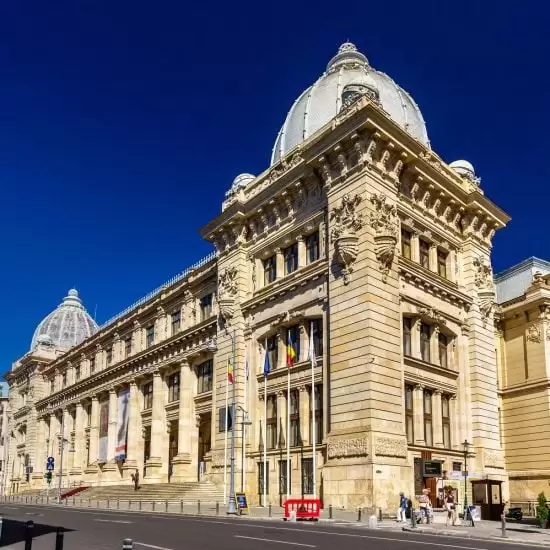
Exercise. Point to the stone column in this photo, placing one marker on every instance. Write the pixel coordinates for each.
(94, 435)
(433, 257)
(418, 411)
(111, 431)
(415, 248)
(137, 338)
(185, 463)
(304, 340)
(322, 239)
(280, 263)
(415, 338)
(158, 429)
(281, 348)
(434, 346)
(455, 426)
(281, 419)
(302, 260)
(437, 421)
(79, 440)
(305, 397)
(134, 429)
(41, 451)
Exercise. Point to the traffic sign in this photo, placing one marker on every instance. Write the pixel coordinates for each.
(50, 463)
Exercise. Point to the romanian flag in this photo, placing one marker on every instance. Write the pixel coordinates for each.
(229, 372)
(290, 352)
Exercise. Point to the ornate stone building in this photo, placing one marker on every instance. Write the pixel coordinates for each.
(358, 241)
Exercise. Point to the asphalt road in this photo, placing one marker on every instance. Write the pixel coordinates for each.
(103, 530)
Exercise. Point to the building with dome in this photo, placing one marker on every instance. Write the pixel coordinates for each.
(360, 258)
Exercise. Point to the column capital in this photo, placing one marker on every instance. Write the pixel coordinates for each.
(300, 238)
(437, 392)
(419, 387)
(157, 373)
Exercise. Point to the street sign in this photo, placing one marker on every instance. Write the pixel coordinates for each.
(50, 464)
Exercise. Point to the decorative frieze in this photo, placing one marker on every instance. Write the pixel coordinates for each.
(387, 446)
(343, 448)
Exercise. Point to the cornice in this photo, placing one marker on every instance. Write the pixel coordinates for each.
(525, 387)
(429, 368)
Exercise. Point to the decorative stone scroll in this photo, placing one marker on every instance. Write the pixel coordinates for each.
(347, 222)
(533, 333)
(433, 315)
(285, 165)
(484, 273)
(385, 222)
(227, 290)
(386, 446)
(344, 448)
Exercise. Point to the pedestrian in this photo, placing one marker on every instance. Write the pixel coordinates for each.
(450, 506)
(401, 518)
(135, 479)
(424, 505)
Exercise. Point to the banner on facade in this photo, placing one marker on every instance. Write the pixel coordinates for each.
(103, 431)
(122, 423)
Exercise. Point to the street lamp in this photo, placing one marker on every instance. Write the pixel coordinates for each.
(466, 446)
(244, 422)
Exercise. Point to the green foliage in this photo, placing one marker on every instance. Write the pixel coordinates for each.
(542, 508)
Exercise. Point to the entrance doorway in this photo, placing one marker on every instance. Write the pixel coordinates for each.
(487, 494)
(146, 448)
(205, 432)
(172, 450)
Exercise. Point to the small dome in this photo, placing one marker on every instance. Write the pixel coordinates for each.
(462, 167)
(242, 180)
(67, 326)
(348, 76)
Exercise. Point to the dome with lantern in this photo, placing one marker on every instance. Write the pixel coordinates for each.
(67, 326)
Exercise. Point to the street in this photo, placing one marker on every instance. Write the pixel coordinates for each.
(104, 530)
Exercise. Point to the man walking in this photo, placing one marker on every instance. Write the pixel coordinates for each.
(401, 517)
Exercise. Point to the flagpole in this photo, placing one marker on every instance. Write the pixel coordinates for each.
(225, 443)
(313, 360)
(243, 446)
(288, 434)
(265, 428)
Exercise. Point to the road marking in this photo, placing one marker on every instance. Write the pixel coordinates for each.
(10, 507)
(151, 546)
(277, 541)
(112, 520)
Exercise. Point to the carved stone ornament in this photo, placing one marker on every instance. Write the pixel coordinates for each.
(227, 308)
(344, 448)
(227, 283)
(386, 446)
(217, 459)
(432, 315)
(486, 303)
(384, 220)
(493, 459)
(285, 165)
(347, 222)
(484, 273)
(533, 333)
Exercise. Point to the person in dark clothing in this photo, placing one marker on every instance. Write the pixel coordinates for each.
(135, 479)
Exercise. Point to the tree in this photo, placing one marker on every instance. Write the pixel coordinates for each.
(542, 509)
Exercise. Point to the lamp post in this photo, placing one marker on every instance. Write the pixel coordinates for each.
(231, 505)
(465, 445)
(61, 456)
(244, 422)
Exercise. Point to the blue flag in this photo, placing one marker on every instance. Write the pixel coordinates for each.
(266, 362)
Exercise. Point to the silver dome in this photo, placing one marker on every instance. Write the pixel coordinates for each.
(348, 73)
(67, 326)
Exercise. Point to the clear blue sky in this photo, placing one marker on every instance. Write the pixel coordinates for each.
(123, 123)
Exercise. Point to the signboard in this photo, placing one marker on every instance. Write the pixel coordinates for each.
(122, 424)
(103, 431)
(242, 503)
(432, 468)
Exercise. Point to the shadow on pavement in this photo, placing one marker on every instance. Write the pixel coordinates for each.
(14, 531)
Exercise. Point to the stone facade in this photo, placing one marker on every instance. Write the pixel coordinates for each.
(361, 239)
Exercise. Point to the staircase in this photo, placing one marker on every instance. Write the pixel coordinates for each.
(190, 492)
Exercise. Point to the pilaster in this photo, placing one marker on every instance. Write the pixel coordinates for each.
(436, 419)
(418, 411)
(158, 429)
(94, 436)
(134, 429)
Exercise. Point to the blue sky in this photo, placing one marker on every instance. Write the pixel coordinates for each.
(123, 123)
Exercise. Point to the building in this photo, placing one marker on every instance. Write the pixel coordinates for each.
(358, 242)
(523, 351)
(4, 425)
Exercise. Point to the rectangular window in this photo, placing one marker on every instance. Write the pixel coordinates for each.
(406, 244)
(443, 344)
(425, 342)
(128, 346)
(316, 327)
(89, 415)
(293, 336)
(109, 355)
(271, 422)
(272, 350)
(409, 414)
(282, 477)
(204, 376)
(176, 322)
(149, 336)
(295, 418)
(291, 258)
(307, 476)
(206, 307)
(424, 254)
(64, 380)
(270, 270)
(407, 336)
(318, 415)
(261, 478)
(147, 390)
(446, 420)
(222, 418)
(457, 466)
(312, 248)
(92, 365)
(77, 373)
(442, 263)
(174, 387)
(428, 424)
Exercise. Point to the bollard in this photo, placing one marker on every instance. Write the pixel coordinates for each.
(330, 511)
(413, 518)
(97, 501)
(269, 508)
(74, 502)
(380, 515)
(89, 503)
(108, 504)
(217, 508)
(154, 505)
(117, 504)
(181, 506)
(198, 508)
(127, 544)
(59, 536)
(28, 535)
(166, 505)
(140, 505)
(359, 514)
(1, 525)
(503, 525)
(129, 505)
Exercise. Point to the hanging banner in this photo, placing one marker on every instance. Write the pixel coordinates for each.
(103, 431)
(122, 423)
